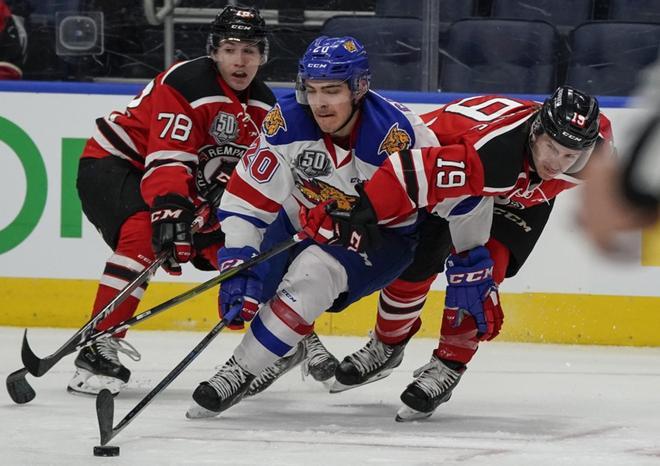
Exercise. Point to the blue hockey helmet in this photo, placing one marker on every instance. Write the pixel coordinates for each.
(334, 58)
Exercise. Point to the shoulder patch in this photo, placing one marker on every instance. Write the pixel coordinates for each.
(274, 121)
(396, 140)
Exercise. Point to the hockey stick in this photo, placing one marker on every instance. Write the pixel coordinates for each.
(39, 366)
(19, 388)
(105, 402)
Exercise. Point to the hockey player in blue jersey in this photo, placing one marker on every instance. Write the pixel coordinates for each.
(316, 146)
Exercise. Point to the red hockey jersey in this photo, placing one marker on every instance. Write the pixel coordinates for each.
(182, 127)
(484, 152)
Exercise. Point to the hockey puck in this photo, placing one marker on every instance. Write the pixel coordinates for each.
(106, 450)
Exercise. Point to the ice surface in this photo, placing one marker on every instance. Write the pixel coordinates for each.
(518, 404)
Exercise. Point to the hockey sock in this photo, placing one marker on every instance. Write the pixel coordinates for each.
(132, 255)
(399, 307)
(458, 337)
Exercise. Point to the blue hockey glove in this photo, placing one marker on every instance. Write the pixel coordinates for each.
(470, 287)
(240, 295)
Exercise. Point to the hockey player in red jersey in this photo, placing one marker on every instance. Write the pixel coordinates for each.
(146, 170)
(521, 153)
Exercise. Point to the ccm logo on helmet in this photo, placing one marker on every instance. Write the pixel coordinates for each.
(571, 136)
(316, 65)
(164, 214)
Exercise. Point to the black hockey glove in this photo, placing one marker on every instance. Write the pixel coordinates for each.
(171, 219)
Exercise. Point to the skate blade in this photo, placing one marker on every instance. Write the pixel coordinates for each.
(338, 387)
(407, 414)
(195, 411)
(329, 383)
(87, 383)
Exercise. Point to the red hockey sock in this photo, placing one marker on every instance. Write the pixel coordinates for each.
(124, 311)
(399, 307)
(132, 255)
(458, 337)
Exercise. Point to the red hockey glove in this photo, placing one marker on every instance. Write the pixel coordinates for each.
(317, 222)
(356, 230)
(171, 222)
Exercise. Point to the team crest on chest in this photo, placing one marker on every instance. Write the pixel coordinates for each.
(216, 164)
(317, 191)
(313, 163)
(224, 128)
(397, 139)
(274, 121)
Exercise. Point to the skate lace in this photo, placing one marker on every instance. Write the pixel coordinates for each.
(109, 347)
(371, 356)
(228, 379)
(317, 353)
(434, 378)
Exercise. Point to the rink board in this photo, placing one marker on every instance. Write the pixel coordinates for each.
(51, 256)
(530, 317)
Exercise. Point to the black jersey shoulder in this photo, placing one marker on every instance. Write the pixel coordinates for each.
(502, 157)
(195, 79)
(259, 91)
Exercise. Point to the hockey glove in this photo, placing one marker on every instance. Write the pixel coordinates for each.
(470, 287)
(356, 230)
(240, 295)
(171, 222)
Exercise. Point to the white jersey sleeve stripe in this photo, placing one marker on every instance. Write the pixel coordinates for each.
(222, 99)
(173, 155)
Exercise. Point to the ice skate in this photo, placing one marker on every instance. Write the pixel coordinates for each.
(222, 391)
(276, 370)
(319, 363)
(98, 367)
(369, 364)
(433, 385)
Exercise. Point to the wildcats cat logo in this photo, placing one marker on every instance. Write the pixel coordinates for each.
(317, 191)
(274, 121)
(396, 140)
(350, 46)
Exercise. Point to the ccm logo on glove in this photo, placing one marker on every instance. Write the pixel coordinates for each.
(470, 277)
(165, 214)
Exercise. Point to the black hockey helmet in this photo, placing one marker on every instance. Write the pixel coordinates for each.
(239, 24)
(571, 118)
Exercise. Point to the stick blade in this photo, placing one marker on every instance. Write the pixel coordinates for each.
(105, 411)
(19, 388)
(31, 361)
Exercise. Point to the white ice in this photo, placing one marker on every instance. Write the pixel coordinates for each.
(518, 404)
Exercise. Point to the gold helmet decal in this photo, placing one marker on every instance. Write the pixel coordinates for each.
(317, 191)
(396, 140)
(350, 46)
(274, 121)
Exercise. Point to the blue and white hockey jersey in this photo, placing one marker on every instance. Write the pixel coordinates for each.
(293, 163)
